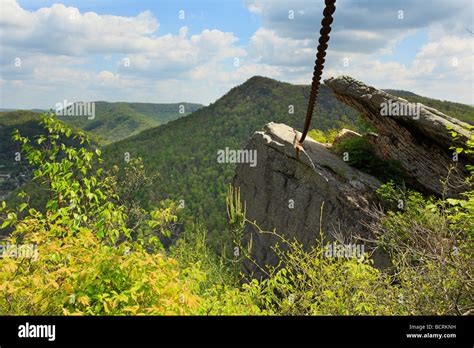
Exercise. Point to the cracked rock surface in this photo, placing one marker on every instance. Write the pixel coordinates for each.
(285, 193)
(420, 143)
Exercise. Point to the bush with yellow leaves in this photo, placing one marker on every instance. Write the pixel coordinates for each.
(79, 275)
(83, 257)
(85, 260)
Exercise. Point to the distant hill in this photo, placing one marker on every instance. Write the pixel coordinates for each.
(112, 121)
(24, 120)
(34, 110)
(116, 121)
(401, 93)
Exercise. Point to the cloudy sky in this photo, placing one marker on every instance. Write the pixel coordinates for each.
(195, 51)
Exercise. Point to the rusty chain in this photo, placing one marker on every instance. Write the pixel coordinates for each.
(318, 67)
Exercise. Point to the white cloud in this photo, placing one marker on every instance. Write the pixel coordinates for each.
(451, 53)
(442, 69)
(64, 30)
(67, 54)
(59, 46)
(362, 32)
(266, 46)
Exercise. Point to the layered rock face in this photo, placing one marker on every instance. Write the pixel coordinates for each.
(414, 135)
(285, 193)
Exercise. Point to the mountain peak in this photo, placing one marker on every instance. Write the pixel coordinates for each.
(259, 79)
(254, 87)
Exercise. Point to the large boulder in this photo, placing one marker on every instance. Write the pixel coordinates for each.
(413, 134)
(286, 193)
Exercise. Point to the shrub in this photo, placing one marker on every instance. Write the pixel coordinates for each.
(88, 260)
(431, 252)
(91, 257)
(361, 155)
(220, 283)
(78, 275)
(431, 255)
(323, 136)
(430, 243)
(308, 282)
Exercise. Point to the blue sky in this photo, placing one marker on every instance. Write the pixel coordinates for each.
(121, 50)
(406, 49)
(227, 15)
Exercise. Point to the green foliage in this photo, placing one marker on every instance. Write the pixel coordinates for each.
(310, 283)
(431, 250)
(74, 194)
(78, 274)
(361, 155)
(430, 244)
(98, 232)
(192, 250)
(462, 209)
(220, 281)
(154, 225)
(88, 261)
(14, 164)
(323, 137)
(431, 275)
(307, 281)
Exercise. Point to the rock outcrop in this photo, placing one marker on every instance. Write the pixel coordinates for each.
(285, 193)
(414, 135)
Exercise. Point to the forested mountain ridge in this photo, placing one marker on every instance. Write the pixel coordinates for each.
(184, 151)
(111, 122)
(116, 121)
